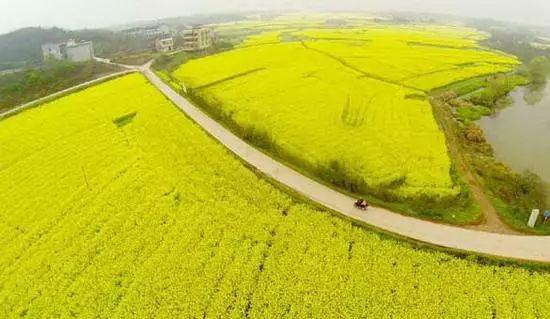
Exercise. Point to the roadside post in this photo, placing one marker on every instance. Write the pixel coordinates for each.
(533, 219)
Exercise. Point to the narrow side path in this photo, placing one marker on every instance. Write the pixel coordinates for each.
(532, 248)
(492, 221)
(77, 87)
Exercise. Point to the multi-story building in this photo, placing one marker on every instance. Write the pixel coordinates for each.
(164, 44)
(197, 38)
(150, 31)
(70, 50)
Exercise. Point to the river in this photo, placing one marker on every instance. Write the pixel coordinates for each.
(520, 133)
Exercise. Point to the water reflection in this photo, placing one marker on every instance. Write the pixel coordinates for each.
(534, 94)
(520, 133)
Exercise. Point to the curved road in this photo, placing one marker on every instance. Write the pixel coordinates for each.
(532, 248)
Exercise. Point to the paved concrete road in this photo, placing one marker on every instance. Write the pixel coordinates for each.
(534, 248)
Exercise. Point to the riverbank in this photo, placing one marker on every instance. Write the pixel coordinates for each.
(473, 199)
(516, 132)
(511, 194)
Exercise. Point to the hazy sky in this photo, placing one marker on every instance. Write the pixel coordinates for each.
(100, 13)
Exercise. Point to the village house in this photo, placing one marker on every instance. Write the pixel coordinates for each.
(197, 38)
(71, 50)
(164, 44)
(53, 51)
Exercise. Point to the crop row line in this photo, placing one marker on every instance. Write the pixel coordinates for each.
(363, 73)
(533, 248)
(228, 78)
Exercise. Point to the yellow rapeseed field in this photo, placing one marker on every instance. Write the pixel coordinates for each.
(113, 204)
(348, 101)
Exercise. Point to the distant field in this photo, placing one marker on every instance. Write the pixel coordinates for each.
(347, 102)
(114, 205)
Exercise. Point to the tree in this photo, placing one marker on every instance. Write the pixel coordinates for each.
(538, 69)
(496, 88)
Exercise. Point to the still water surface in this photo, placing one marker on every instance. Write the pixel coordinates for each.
(520, 133)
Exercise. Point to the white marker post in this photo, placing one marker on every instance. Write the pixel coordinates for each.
(534, 217)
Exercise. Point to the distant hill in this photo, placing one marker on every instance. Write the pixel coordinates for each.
(205, 19)
(198, 19)
(23, 47)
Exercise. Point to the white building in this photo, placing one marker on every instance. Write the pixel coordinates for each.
(53, 51)
(197, 38)
(150, 31)
(80, 52)
(164, 44)
(70, 50)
